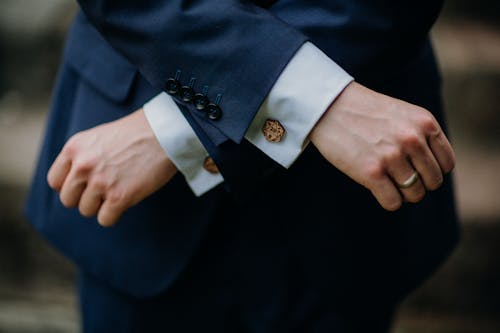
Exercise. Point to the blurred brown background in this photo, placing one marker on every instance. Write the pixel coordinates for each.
(36, 284)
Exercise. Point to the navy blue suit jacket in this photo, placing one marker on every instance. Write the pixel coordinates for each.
(119, 54)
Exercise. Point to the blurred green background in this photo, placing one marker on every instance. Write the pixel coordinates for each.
(36, 283)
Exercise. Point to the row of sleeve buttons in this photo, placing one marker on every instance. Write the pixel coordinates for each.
(188, 95)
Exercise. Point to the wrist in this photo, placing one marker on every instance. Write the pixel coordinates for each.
(321, 128)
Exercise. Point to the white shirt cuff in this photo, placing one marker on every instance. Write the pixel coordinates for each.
(305, 89)
(180, 143)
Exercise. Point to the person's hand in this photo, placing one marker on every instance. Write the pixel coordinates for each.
(380, 142)
(111, 167)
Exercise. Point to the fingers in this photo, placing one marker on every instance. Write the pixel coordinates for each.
(414, 156)
(58, 171)
(442, 150)
(90, 202)
(401, 171)
(430, 163)
(72, 189)
(72, 182)
(94, 202)
(436, 140)
(427, 167)
(75, 182)
(110, 212)
(91, 199)
(387, 194)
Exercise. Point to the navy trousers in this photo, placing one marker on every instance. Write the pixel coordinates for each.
(218, 293)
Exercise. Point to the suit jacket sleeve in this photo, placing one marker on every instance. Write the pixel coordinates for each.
(232, 50)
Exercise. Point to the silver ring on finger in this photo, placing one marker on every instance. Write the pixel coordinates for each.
(410, 181)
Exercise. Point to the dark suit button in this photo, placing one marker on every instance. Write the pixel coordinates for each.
(186, 94)
(172, 86)
(213, 111)
(200, 101)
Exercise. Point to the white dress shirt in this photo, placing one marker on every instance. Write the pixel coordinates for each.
(303, 92)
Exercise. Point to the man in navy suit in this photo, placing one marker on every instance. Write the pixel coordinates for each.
(252, 185)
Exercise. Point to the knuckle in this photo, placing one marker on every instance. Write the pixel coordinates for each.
(83, 166)
(118, 198)
(427, 122)
(392, 155)
(375, 171)
(71, 146)
(98, 183)
(411, 140)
